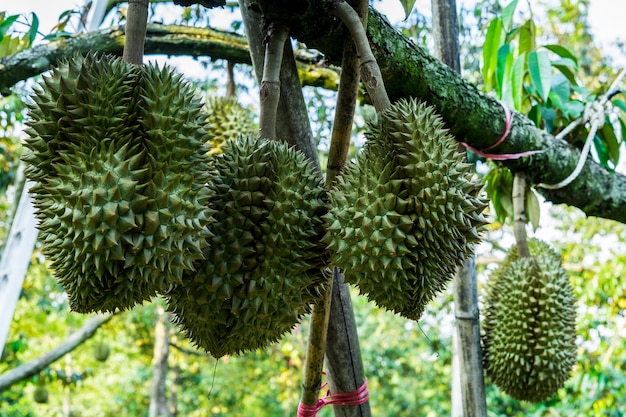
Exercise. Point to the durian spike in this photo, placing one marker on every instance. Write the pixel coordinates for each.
(370, 71)
(519, 213)
(136, 24)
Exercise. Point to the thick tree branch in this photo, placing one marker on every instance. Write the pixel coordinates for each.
(407, 69)
(37, 365)
(472, 116)
(160, 39)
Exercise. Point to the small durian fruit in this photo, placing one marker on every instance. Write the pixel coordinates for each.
(407, 213)
(101, 351)
(40, 394)
(529, 326)
(262, 268)
(227, 119)
(117, 155)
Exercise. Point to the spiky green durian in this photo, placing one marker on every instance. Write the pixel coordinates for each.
(529, 326)
(262, 267)
(117, 155)
(407, 213)
(227, 119)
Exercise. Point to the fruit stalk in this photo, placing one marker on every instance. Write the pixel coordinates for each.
(270, 85)
(370, 71)
(519, 213)
(137, 21)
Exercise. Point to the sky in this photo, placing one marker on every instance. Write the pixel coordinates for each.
(606, 17)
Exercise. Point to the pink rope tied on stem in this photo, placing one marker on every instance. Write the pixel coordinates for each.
(356, 397)
(507, 129)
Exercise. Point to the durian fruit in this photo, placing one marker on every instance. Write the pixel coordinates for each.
(406, 214)
(117, 155)
(529, 326)
(261, 271)
(40, 394)
(101, 351)
(227, 119)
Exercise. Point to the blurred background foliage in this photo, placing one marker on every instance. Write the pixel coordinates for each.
(408, 364)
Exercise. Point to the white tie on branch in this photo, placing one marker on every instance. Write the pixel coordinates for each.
(595, 114)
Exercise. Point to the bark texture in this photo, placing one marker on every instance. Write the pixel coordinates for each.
(160, 39)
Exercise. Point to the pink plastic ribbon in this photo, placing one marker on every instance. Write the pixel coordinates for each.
(356, 397)
(507, 129)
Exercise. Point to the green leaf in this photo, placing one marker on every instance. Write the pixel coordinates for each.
(566, 70)
(533, 209)
(6, 24)
(540, 70)
(407, 5)
(574, 109)
(526, 38)
(507, 15)
(562, 52)
(34, 27)
(602, 152)
(620, 104)
(607, 133)
(517, 81)
(503, 72)
(490, 52)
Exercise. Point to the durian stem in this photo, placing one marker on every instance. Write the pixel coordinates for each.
(316, 348)
(370, 71)
(277, 34)
(345, 372)
(344, 111)
(519, 213)
(136, 23)
(231, 87)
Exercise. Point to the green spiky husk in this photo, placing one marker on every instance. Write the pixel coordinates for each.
(262, 267)
(407, 213)
(529, 326)
(227, 119)
(117, 155)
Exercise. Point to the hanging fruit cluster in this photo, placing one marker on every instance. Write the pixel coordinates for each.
(529, 327)
(407, 213)
(262, 266)
(117, 155)
(131, 206)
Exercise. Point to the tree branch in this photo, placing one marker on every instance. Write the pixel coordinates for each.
(38, 364)
(160, 39)
(472, 116)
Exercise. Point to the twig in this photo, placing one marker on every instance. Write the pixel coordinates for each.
(370, 71)
(137, 21)
(270, 85)
(519, 213)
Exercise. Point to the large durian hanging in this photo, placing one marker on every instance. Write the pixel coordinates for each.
(227, 119)
(529, 326)
(407, 213)
(117, 155)
(262, 267)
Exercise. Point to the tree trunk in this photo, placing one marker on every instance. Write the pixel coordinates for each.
(158, 398)
(467, 350)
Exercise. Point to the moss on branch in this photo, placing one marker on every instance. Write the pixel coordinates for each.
(160, 39)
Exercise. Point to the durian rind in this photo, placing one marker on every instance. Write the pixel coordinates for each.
(227, 119)
(262, 267)
(119, 178)
(407, 213)
(529, 326)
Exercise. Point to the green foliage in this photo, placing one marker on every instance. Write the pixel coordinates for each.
(541, 82)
